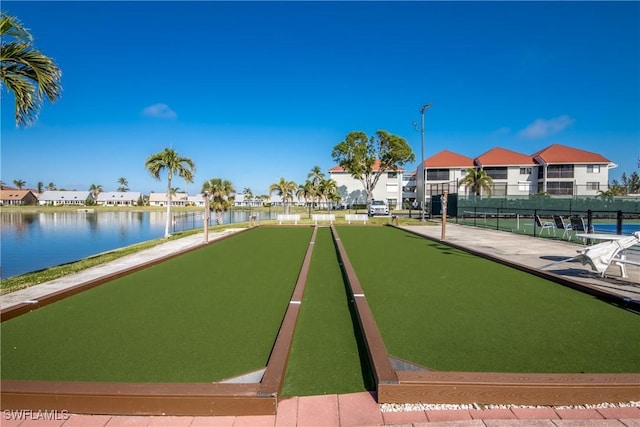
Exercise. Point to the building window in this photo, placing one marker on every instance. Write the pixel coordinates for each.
(560, 171)
(560, 188)
(437, 174)
(593, 186)
(526, 171)
(496, 173)
(524, 186)
(593, 168)
(392, 175)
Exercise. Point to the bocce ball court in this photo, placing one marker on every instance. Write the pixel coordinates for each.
(271, 312)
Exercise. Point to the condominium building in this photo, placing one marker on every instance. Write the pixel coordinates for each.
(556, 170)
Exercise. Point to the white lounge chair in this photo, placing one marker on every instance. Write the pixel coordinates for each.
(602, 255)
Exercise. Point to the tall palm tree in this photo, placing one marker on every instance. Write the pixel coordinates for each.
(40, 186)
(19, 183)
(317, 177)
(476, 181)
(25, 71)
(124, 184)
(170, 161)
(285, 190)
(221, 194)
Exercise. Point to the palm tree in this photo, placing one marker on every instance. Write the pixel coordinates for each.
(124, 184)
(95, 190)
(25, 71)
(221, 194)
(51, 186)
(307, 192)
(317, 177)
(174, 164)
(19, 183)
(248, 195)
(328, 189)
(476, 180)
(40, 186)
(285, 190)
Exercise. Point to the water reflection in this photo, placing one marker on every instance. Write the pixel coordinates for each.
(33, 241)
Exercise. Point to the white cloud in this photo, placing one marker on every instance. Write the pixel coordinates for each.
(501, 131)
(541, 127)
(161, 111)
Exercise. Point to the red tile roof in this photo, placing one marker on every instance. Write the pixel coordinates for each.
(448, 159)
(558, 153)
(14, 193)
(376, 167)
(502, 157)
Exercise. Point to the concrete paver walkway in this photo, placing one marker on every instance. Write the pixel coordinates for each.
(361, 409)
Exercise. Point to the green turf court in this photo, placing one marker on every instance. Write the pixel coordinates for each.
(325, 355)
(449, 310)
(214, 313)
(204, 316)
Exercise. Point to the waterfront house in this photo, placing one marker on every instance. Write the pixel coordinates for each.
(197, 200)
(118, 198)
(65, 198)
(11, 196)
(160, 199)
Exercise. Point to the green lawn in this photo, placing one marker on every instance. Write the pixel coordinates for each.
(452, 311)
(204, 316)
(325, 357)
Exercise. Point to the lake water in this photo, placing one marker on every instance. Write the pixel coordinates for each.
(34, 241)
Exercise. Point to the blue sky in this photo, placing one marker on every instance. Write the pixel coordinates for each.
(252, 91)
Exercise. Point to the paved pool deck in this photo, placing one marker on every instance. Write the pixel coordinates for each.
(362, 409)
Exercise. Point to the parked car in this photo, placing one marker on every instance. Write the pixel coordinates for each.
(378, 207)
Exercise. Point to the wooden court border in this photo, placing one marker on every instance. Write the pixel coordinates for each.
(484, 388)
(195, 399)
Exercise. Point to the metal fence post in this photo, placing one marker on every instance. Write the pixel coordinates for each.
(619, 222)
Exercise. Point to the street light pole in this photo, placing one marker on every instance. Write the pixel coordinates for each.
(206, 217)
(423, 204)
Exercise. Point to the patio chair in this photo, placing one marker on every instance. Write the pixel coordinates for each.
(580, 226)
(545, 225)
(561, 225)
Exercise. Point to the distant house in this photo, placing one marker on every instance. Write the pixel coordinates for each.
(160, 199)
(197, 200)
(17, 197)
(118, 198)
(65, 198)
